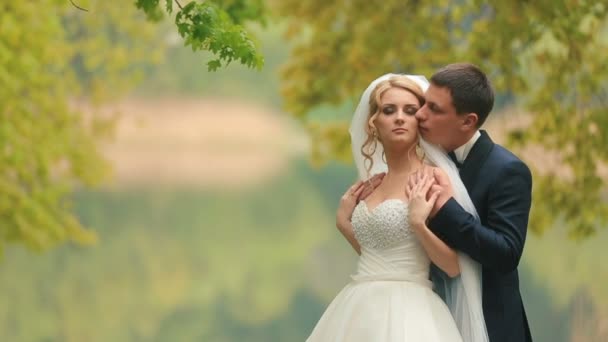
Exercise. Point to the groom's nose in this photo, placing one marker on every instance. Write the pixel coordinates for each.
(420, 113)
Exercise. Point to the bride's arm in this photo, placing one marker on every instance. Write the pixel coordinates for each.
(440, 254)
(419, 208)
(347, 230)
(345, 213)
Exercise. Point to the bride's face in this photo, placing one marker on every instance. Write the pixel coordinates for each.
(396, 123)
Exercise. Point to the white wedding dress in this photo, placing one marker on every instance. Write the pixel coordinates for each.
(390, 297)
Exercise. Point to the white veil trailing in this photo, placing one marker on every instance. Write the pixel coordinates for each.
(462, 293)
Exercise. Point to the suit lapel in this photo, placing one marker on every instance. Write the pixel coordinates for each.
(472, 164)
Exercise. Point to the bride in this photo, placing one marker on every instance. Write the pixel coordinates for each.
(391, 297)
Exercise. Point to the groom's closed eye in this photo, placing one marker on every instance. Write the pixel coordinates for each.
(434, 108)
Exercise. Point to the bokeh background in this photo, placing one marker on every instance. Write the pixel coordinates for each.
(213, 224)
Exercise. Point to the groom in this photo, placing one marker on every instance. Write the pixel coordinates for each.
(458, 102)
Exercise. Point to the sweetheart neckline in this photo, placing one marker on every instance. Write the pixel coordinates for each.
(383, 202)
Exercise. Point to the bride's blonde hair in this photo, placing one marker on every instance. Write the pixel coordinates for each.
(371, 142)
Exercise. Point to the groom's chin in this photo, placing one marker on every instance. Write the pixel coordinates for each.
(428, 137)
(423, 132)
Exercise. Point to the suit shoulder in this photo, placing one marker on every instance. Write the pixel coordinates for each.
(508, 160)
(508, 157)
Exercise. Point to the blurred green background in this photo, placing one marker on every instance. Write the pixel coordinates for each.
(215, 226)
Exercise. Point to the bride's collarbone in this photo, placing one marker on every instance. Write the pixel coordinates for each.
(374, 200)
(388, 190)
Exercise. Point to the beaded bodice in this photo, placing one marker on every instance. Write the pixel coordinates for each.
(383, 226)
(390, 250)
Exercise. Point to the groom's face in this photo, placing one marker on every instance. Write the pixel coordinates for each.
(438, 122)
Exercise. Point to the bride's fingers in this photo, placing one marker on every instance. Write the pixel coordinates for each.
(424, 179)
(414, 187)
(377, 179)
(417, 189)
(359, 189)
(420, 183)
(364, 193)
(360, 184)
(354, 188)
(408, 190)
(427, 185)
(412, 181)
(358, 192)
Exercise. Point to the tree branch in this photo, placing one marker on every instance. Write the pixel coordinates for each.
(80, 8)
(179, 5)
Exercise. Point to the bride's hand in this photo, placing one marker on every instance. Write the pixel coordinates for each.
(347, 204)
(420, 204)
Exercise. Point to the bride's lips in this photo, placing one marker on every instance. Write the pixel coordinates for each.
(400, 130)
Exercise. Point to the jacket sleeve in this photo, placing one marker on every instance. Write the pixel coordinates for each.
(498, 243)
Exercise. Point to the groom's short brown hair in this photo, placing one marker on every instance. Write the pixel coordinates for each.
(470, 89)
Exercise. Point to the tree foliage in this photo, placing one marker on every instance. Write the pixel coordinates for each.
(56, 55)
(548, 55)
(51, 56)
(214, 26)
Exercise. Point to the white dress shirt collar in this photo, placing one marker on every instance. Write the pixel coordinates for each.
(463, 151)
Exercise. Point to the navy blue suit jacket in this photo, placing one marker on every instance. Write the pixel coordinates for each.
(500, 186)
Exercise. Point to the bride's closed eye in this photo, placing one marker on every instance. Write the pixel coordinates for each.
(388, 109)
(410, 110)
(407, 109)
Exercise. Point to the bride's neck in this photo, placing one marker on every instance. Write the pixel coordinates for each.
(401, 163)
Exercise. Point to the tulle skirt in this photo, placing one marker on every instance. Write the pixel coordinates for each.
(386, 310)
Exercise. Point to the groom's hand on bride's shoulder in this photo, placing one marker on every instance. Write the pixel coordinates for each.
(370, 185)
(444, 186)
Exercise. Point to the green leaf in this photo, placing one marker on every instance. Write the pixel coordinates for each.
(214, 65)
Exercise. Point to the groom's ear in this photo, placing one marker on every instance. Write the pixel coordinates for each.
(470, 121)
